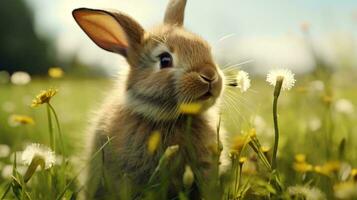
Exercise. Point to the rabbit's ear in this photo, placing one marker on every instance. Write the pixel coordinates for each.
(113, 32)
(175, 12)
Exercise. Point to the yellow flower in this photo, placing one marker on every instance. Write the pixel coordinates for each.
(242, 160)
(354, 174)
(190, 108)
(55, 72)
(238, 143)
(44, 97)
(21, 119)
(300, 158)
(302, 167)
(154, 141)
(252, 133)
(265, 149)
(328, 168)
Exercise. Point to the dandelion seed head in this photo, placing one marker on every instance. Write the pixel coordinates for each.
(40, 151)
(344, 106)
(4, 150)
(243, 81)
(20, 78)
(309, 193)
(314, 124)
(285, 75)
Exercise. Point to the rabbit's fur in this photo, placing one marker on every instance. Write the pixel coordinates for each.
(149, 97)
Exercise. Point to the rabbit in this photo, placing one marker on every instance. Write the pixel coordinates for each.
(168, 66)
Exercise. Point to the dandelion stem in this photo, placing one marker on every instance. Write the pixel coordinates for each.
(50, 128)
(59, 129)
(279, 83)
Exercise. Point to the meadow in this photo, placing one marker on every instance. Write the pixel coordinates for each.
(317, 155)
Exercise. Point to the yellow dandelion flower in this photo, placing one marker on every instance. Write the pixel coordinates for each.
(154, 141)
(328, 168)
(320, 170)
(190, 108)
(242, 160)
(265, 149)
(55, 72)
(332, 166)
(252, 133)
(302, 167)
(44, 97)
(238, 143)
(300, 158)
(21, 120)
(354, 174)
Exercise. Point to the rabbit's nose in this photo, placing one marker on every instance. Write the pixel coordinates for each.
(208, 75)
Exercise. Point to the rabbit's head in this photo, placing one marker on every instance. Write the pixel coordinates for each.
(169, 66)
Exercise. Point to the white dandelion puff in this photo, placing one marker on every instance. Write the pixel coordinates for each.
(308, 193)
(4, 150)
(39, 151)
(344, 106)
(20, 78)
(243, 81)
(285, 74)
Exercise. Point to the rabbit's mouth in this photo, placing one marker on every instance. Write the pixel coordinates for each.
(205, 96)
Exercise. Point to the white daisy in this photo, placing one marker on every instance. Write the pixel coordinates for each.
(243, 81)
(285, 74)
(40, 151)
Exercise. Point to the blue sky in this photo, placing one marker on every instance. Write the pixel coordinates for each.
(258, 26)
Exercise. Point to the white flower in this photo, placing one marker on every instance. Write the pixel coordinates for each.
(309, 193)
(4, 150)
(317, 85)
(344, 106)
(259, 123)
(314, 124)
(243, 81)
(7, 170)
(285, 74)
(20, 78)
(41, 151)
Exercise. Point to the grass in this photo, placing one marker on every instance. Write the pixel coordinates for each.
(317, 147)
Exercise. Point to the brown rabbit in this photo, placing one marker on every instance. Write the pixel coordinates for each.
(169, 66)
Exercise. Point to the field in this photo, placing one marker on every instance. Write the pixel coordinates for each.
(317, 155)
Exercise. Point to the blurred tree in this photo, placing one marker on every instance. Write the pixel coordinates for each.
(20, 47)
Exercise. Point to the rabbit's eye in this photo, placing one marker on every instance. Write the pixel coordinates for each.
(165, 60)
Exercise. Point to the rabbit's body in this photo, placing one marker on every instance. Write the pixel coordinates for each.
(127, 153)
(169, 67)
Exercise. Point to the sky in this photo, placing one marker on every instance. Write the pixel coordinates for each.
(267, 33)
